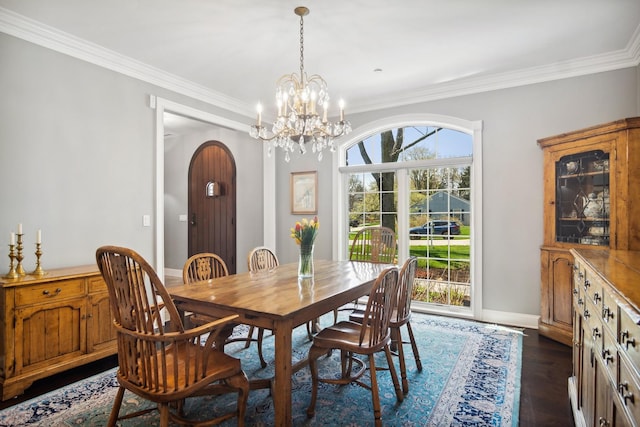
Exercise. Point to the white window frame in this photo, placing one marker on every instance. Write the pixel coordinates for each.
(340, 198)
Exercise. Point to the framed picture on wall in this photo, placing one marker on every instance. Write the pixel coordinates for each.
(304, 192)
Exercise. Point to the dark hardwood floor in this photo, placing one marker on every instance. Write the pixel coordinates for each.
(544, 396)
(546, 366)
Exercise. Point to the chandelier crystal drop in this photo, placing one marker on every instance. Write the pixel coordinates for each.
(299, 100)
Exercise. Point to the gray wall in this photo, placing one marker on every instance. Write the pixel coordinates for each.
(77, 156)
(77, 150)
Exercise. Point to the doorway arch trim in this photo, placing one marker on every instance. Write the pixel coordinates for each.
(161, 105)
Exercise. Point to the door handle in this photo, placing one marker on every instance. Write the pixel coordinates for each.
(193, 219)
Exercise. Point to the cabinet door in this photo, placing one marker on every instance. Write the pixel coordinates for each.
(603, 401)
(579, 194)
(588, 371)
(556, 295)
(100, 330)
(578, 348)
(48, 333)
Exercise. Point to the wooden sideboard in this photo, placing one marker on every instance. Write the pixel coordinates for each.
(605, 386)
(52, 323)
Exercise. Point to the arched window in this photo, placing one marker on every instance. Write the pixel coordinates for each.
(418, 178)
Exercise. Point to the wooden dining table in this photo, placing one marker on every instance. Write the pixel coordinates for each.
(280, 301)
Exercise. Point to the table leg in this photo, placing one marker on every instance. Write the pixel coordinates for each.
(283, 372)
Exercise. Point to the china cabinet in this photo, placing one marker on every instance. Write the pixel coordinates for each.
(52, 323)
(591, 177)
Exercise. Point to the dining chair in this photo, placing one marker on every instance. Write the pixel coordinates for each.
(374, 244)
(262, 258)
(165, 365)
(259, 259)
(205, 266)
(401, 316)
(365, 339)
(371, 244)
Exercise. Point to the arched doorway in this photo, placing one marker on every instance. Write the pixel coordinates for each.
(212, 202)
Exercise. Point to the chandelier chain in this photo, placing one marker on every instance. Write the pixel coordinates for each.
(301, 47)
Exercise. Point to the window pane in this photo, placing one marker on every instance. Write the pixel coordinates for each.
(416, 143)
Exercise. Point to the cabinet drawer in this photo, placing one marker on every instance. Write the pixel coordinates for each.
(609, 355)
(97, 284)
(610, 313)
(592, 287)
(47, 292)
(629, 339)
(628, 390)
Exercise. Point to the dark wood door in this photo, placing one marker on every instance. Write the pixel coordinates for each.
(212, 202)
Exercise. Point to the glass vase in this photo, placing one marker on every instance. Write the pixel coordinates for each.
(305, 262)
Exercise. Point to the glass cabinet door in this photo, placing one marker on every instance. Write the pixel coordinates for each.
(582, 198)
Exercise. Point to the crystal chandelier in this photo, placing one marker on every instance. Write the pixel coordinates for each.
(299, 99)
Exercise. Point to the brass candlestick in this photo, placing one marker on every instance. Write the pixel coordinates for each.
(19, 269)
(38, 271)
(12, 269)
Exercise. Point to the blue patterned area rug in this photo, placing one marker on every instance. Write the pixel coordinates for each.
(470, 377)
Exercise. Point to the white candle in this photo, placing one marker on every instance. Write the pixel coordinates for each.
(39, 237)
(341, 110)
(20, 228)
(259, 114)
(13, 238)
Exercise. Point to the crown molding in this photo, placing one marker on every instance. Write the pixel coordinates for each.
(35, 32)
(616, 60)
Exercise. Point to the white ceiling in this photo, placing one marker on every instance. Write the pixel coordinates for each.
(231, 52)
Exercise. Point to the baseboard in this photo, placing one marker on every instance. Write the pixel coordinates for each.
(172, 272)
(529, 321)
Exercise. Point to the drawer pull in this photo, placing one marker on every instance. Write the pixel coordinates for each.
(622, 390)
(587, 283)
(596, 333)
(596, 298)
(580, 302)
(606, 356)
(575, 291)
(586, 313)
(602, 422)
(56, 292)
(607, 314)
(626, 340)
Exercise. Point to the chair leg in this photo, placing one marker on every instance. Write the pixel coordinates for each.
(164, 414)
(414, 347)
(375, 393)
(115, 410)
(397, 337)
(249, 337)
(314, 353)
(394, 374)
(260, 339)
(241, 383)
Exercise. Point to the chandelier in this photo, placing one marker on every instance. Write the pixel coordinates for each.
(299, 99)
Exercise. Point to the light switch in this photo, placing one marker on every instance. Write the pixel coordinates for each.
(182, 217)
(146, 220)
